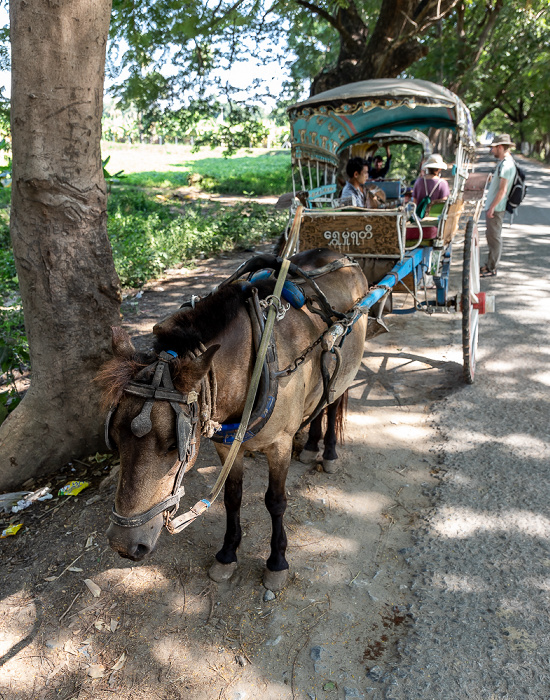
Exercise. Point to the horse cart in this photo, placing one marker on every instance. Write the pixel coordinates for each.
(399, 253)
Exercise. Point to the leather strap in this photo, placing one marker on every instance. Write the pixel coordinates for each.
(142, 518)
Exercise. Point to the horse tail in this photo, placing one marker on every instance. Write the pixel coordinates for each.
(340, 422)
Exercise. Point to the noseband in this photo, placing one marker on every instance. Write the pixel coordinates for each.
(161, 388)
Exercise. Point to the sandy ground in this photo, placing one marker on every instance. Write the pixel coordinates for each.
(180, 635)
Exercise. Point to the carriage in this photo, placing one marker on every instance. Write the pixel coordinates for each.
(398, 252)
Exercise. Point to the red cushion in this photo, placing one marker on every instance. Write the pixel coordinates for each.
(428, 233)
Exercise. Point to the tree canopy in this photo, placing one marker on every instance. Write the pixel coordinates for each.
(494, 53)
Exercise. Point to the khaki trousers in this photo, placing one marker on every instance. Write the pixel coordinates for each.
(494, 238)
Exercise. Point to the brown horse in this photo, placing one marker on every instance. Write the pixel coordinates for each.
(157, 401)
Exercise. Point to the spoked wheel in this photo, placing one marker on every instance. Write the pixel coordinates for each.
(470, 306)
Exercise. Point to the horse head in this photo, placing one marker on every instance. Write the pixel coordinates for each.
(153, 421)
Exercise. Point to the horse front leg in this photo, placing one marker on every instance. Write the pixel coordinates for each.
(226, 559)
(278, 455)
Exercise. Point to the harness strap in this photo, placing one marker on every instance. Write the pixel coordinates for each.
(332, 267)
(142, 518)
(328, 383)
(162, 393)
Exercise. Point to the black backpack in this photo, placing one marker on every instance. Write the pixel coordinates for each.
(517, 191)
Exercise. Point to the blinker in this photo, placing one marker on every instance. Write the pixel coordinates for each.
(141, 425)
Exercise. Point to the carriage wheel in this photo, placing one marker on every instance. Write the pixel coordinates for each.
(470, 289)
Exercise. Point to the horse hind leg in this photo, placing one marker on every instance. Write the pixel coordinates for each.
(226, 559)
(334, 432)
(310, 451)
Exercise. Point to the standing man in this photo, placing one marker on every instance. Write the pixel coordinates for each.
(378, 171)
(497, 196)
(357, 172)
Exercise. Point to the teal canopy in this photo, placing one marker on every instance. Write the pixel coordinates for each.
(328, 123)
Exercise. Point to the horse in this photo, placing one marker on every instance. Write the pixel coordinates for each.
(195, 382)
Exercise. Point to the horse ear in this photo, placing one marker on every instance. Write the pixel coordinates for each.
(122, 345)
(191, 371)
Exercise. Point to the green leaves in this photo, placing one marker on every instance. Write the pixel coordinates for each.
(148, 237)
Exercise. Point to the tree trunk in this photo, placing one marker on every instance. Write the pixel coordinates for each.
(69, 287)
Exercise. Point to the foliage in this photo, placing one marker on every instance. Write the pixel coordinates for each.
(333, 42)
(14, 350)
(241, 128)
(147, 236)
(496, 55)
(405, 163)
(109, 179)
(14, 356)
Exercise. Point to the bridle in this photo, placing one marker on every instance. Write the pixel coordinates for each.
(186, 408)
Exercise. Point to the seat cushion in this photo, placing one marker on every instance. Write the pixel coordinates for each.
(428, 233)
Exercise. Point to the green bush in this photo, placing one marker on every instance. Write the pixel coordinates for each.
(14, 355)
(147, 236)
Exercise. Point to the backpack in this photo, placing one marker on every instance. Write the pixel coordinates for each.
(517, 191)
(423, 205)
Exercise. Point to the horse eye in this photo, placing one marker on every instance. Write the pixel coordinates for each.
(172, 447)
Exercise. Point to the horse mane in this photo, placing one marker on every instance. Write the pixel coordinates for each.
(181, 332)
(185, 330)
(115, 374)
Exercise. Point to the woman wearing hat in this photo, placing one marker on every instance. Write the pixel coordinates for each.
(430, 184)
(497, 196)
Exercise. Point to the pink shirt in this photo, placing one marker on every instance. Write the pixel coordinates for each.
(437, 189)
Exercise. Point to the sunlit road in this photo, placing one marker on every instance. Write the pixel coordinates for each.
(482, 563)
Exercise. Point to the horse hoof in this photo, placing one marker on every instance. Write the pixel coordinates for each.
(308, 456)
(275, 580)
(219, 572)
(330, 466)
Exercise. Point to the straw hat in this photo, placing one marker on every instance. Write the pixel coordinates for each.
(435, 162)
(502, 140)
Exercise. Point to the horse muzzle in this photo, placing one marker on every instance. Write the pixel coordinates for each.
(135, 543)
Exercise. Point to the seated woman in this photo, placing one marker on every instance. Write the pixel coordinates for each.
(430, 184)
(357, 172)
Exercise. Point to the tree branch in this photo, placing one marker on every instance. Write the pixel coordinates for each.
(346, 36)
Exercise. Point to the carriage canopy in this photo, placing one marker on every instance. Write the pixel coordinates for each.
(326, 124)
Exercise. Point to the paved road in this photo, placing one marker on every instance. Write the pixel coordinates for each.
(481, 563)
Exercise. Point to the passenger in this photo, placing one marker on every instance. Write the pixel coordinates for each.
(357, 172)
(430, 184)
(377, 171)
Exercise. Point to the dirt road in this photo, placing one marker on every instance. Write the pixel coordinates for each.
(419, 570)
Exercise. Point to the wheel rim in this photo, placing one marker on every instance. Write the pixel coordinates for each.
(470, 289)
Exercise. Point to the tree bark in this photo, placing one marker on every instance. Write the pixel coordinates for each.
(69, 287)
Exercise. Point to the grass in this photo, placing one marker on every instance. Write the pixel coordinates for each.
(254, 172)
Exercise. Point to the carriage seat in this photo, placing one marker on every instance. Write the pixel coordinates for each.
(429, 233)
(392, 188)
(429, 224)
